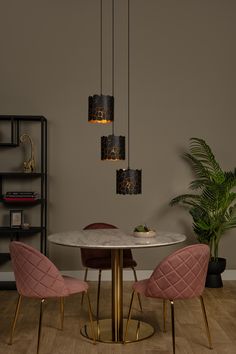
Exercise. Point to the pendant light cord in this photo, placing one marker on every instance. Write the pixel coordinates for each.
(113, 56)
(101, 54)
(128, 80)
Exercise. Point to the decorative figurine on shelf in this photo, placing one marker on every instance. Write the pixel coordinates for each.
(29, 165)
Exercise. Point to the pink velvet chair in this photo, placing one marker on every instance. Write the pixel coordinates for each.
(181, 275)
(101, 260)
(37, 277)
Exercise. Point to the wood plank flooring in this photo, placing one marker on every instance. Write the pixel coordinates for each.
(190, 332)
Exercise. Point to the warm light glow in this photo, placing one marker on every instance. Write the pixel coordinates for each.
(103, 121)
(101, 109)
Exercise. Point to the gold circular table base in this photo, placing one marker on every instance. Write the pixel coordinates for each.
(137, 330)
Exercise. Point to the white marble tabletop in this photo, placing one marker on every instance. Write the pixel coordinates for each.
(114, 239)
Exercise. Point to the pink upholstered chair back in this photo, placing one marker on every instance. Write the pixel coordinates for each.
(181, 275)
(36, 276)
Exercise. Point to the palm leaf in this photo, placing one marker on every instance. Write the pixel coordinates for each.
(198, 183)
(212, 209)
(202, 152)
(199, 169)
(184, 198)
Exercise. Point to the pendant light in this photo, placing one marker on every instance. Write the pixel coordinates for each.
(112, 146)
(128, 181)
(101, 107)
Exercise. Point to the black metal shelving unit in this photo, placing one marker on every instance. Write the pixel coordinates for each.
(15, 122)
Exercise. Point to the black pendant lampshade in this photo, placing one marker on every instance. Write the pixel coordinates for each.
(113, 147)
(101, 109)
(128, 181)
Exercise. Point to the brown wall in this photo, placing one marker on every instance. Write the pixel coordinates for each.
(183, 78)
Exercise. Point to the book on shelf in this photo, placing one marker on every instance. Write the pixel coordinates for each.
(13, 193)
(22, 196)
(20, 199)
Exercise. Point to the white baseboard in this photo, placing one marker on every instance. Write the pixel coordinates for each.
(7, 276)
(128, 275)
(229, 274)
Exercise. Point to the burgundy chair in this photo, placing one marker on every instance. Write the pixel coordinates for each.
(37, 277)
(101, 260)
(181, 275)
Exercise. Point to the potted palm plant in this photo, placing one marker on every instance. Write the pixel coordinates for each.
(212, 206)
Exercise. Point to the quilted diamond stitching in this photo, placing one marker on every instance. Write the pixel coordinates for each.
(181, 275)
(35, 275)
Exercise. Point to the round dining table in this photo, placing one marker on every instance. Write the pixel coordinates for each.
(111, 330)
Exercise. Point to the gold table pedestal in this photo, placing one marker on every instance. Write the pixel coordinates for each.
(137, 330)
(112, 330)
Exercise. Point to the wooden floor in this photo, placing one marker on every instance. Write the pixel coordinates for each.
(190, 331)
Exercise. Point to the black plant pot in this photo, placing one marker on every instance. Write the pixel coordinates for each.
(215, 268)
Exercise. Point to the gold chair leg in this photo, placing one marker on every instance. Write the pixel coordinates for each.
(206, 322)
(98, 292)
(129, 315)
(91, 318)
(173, 324)
(15, 318)
(139, 298)
(62, 311)
(85, 279)
(138, 330)
(164, 315)
(40, 324)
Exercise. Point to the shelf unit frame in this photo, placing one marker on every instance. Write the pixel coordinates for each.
(15, 234)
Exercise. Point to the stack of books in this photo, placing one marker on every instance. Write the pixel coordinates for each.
(20, 196)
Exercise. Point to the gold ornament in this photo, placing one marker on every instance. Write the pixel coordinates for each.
(29, 165)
